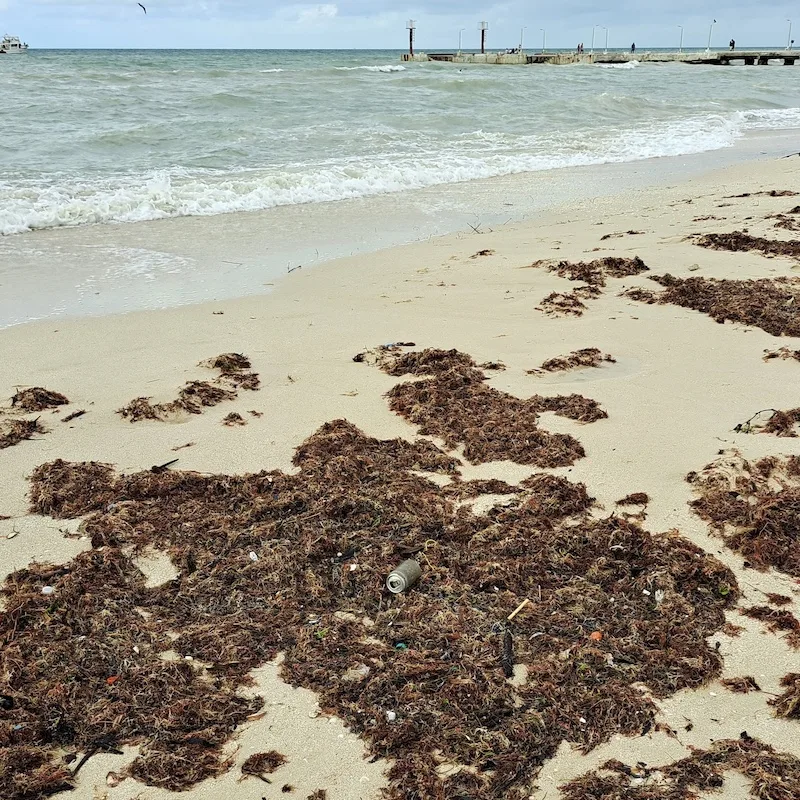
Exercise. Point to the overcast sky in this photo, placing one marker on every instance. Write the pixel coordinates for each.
(381, 23)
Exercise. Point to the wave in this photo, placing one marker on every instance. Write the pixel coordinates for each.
(627, 65)
(370, 68)
(177, 193)
(266, 71)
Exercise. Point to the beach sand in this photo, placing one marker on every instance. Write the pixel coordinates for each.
(679, 386)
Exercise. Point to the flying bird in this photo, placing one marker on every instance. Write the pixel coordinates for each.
(142, 7)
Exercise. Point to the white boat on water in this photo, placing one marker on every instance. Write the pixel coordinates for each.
(11, 45)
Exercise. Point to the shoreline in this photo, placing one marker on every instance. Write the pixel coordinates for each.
(679, 385)
(110, 268)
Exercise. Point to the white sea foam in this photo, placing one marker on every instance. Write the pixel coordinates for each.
(627, 65)
(371, 68)
(177, 193)
(266, 71)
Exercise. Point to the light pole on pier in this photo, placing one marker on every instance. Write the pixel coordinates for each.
(710, 31)
(594, 28)
(460, 32)
(789, 37)
(544, 39)
(522, 36)
(606, 30)
(412, 26)
(680, 46)
(483, 27)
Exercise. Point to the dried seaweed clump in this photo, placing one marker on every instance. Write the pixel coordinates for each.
(743, 685)
(14, 431)
(577, 359)
(594, 273)
(788, 704)
(739, 241)
(195, 396)
(234, 419)
(261, 764)
(640, 294)
(771, 775)
(777, 621)
(456, 405)
(634, 499)
(783, 353)
(37, 399)
(567, 304)
(607, 610)
(754, 507)
(772, 304)
(783, 423)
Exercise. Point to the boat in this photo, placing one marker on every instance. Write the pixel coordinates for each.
(12, 44)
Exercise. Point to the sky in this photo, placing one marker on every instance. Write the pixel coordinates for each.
(379, 24)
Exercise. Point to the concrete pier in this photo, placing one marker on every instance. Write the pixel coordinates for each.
(714, 57)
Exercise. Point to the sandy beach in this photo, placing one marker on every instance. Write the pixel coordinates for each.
(678, 386)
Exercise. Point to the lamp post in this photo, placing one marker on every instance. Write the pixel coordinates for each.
(680, 46)
(710, 31)
(594, 28)
(483, 27)
(606, 30)
(789, 37)
(544, 39)
(460, 32)
(522, 36)
(412, 26)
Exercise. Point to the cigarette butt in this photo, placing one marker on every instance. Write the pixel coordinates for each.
(518, 609)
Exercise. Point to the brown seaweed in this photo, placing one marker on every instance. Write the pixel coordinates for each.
(37, 399)
(14, 431)
(777, 621)
(787, 704)
(595, 273)
(772, 304)
(97, 655)
(740, 241)
(260, 765)
(195, 396)
(577, 359)
(771, 775)
(456, 405)
(754, 507)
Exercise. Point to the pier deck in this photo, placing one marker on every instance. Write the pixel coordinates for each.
(714, 57)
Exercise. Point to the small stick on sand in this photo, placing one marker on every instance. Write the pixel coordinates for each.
(518, 609)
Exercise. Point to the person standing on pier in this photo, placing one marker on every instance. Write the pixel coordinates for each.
(633, 47)
(733, 44)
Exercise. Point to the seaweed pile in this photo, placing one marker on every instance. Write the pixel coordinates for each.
(783, 353)
(754, 507)
(772, 304)
(772, 775)
(455, 405)
(788, 704)
(740, 241)
(594, 275)
(14, 431)
(195, 396)
(568, 304)
(37, 399)
(577, 359)
(92, 658)
(777, 621)
(259, 765)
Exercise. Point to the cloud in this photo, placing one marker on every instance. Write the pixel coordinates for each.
(318, 13)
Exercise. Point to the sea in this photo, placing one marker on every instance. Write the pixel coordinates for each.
(92, 139)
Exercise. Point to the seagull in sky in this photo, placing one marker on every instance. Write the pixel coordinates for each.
(142, 7)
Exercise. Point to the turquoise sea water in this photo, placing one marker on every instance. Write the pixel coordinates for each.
(123, 136)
